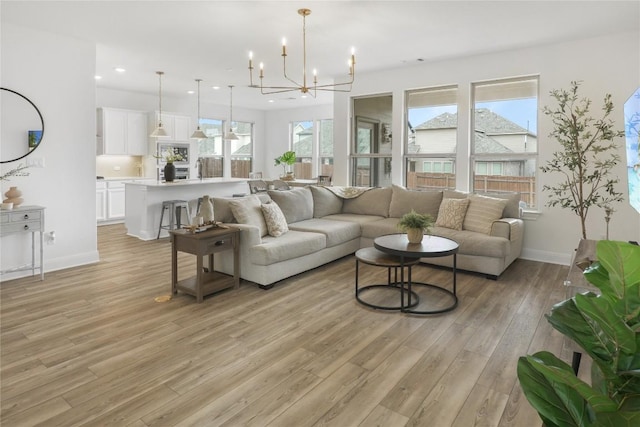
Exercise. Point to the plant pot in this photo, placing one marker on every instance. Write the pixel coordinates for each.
(287, 176)
(415, 235)
(169, 172)
(13, 195)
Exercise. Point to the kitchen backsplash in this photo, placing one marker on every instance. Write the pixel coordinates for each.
(119, 166)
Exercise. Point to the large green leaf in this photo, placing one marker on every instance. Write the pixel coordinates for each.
(618, 419)
(567, 318)
(558, 405)
(606, 324)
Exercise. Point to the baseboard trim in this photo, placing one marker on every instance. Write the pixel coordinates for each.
(546, 256)
(56, 264)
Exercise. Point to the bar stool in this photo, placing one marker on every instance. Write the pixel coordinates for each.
(175, 212)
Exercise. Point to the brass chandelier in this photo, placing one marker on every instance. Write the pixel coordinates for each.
(296, 86)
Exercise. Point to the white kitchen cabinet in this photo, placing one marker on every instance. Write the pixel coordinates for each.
(110, 201)
(121, 132)
(101, 201)
(178, 127)
(115, 200)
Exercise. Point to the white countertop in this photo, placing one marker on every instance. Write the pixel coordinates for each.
(184, 182)
(121, 178)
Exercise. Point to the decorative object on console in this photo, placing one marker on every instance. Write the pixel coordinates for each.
(286, 160)
(415, 225)
(159, 131)
(587, 156)
(13, 195)
(198, 134)
(332, 87)
(206, 210)
(230, 135)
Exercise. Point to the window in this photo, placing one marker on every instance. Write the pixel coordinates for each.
(504, 144)
(211, 149)
(325, 158)
(371, 150)
(430, 146)
(242, 150)
(302, 143)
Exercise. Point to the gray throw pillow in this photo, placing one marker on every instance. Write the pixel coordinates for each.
(325, 202)
(248, 210)
(404, 201)
(373, 202)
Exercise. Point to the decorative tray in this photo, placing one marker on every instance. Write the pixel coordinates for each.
(200, 228)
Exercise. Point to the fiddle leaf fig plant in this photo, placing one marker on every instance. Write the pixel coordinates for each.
(586, 157)
(607, 327)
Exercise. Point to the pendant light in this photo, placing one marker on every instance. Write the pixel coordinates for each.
(230, 135)
(159, 131)
(198, 133)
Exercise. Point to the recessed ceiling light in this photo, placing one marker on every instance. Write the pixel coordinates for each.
(215, 87)
(304, 97)
(120, 69)
(97, 77)
(271, 100)
(191, 92)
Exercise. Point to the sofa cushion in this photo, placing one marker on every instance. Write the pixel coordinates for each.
(482, 212)
(451, 213)
(358, 219)
(337, 232)
(296, 204)
(472, 243)
(274, 218)
(247, 210)
(373, 229)
(373, 202)
(325, 202)
(222, 210)
(288, 246)
(403, 201)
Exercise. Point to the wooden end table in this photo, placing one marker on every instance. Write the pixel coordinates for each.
(206, 281)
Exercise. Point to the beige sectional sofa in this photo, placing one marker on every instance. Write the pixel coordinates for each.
(323, 227)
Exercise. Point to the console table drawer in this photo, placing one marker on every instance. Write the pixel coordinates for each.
(16, 227)
(25, 216)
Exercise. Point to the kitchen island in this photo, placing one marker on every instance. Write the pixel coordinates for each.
(143, 200)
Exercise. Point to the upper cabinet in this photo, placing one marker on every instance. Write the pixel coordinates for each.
(122, 132)
(178, 127)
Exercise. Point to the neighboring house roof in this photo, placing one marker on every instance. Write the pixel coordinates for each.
(486, 144)
(486, 121)
(245, 150)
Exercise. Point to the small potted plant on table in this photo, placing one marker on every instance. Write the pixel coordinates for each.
(286, 160)
(415, 225)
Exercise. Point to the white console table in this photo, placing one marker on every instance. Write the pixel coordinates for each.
(25, 219)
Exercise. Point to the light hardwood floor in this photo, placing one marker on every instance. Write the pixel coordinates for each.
(90, 346)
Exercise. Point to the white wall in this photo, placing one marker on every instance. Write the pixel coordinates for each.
(56, 74)
(608, 64)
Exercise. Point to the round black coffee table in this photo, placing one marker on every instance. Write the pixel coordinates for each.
(430, 247)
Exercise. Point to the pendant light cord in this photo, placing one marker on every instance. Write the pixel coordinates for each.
(160, 73)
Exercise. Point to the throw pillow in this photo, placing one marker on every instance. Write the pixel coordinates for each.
(451, 213)
(404, 201)
(482, 212)
(276, 222)
(247, 211)
(373, 202)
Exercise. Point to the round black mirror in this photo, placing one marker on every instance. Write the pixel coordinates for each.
(22, 126)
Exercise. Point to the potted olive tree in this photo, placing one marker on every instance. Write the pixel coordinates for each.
(607, 327)
(587, 155)
(415, 225)
(286, 160)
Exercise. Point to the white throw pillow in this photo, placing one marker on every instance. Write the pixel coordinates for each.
(451, 213)
(482, 212)
(247, 211)
(276, 222)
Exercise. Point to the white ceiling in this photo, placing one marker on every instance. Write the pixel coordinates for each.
(211, 39)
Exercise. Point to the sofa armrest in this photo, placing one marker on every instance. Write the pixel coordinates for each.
(508, 228)
(249, 235)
